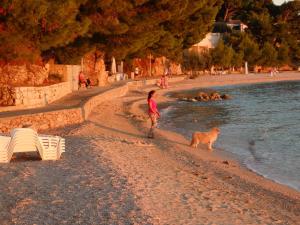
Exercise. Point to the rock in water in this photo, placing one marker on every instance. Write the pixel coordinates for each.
(183, 99)
(202, 96)
(226, 97)
(205, 97)
(215, 96)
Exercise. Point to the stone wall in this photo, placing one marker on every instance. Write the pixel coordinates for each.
(69, 73)
(41, 95)
(30, 97)
(43, 121)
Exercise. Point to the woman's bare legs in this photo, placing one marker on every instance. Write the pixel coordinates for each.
(153, 118)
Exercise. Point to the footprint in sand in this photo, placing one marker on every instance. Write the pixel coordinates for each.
(137, 143)
(143, 144)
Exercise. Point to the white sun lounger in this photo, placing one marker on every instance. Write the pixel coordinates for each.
(4, 143)
(27, 140)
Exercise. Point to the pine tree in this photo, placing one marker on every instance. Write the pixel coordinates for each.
(268, 24)
(222, 55)
(30, 27)
(268, 55)
(127, 29)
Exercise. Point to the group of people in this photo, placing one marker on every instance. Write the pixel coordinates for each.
(82, 81)
(163, 82)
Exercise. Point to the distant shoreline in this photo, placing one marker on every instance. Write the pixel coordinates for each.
(208, 81)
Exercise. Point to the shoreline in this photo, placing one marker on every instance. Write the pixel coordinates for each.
(198, 84)
(208, 81)
(223, 153)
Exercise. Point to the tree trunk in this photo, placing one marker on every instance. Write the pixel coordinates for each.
(226, 14)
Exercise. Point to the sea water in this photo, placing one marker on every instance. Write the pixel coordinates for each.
(260, 125)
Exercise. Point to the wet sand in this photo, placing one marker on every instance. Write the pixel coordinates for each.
(112, 174)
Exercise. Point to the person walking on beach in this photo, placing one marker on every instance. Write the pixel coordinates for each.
(153, 113)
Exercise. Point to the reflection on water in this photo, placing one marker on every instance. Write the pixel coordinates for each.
(261, 125)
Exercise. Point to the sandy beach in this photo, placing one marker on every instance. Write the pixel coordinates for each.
(112, 174)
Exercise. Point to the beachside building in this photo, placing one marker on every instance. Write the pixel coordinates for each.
(237, 25)
(210, 41)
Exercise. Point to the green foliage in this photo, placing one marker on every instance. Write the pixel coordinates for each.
(268, 55)
(237, 59)
(31, 27)
(228, 9)
(191, 60)
(127, 29)
(284, 55)
(222, 55)
(271, 29)
(221, 27)
(197, 61)
(122, 28)
(250, 50)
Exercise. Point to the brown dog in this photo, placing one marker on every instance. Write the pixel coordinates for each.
(207, 138)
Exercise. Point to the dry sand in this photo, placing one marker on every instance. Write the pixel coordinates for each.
(112, 174)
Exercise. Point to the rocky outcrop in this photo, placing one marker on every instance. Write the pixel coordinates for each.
(23, 75)
(215, 96)
(94, 68)
(7, 95)
(158, 66)
(202, 96)
(226, 97)
(205, 97)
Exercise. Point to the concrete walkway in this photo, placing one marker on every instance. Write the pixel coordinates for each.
(73, 100)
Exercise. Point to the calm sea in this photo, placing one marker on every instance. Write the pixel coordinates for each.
(260, 125)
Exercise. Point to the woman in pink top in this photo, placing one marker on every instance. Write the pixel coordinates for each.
(153, 113)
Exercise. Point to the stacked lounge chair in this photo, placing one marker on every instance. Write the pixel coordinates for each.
(27, 140)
